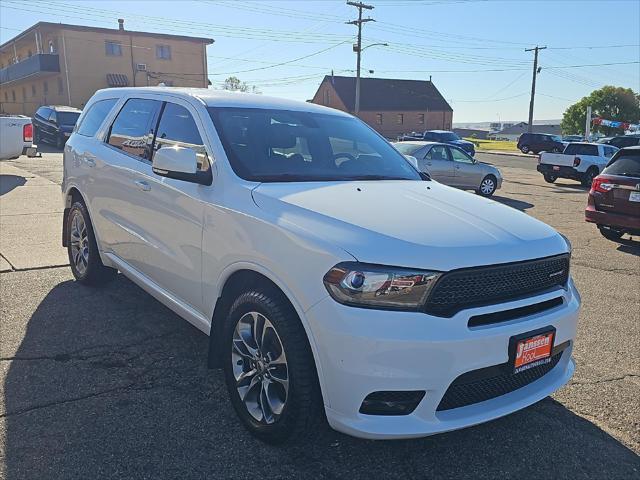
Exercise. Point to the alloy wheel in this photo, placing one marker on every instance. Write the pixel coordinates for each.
(260, 368)
(79, 242)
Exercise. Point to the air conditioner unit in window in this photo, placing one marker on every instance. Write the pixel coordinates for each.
(141, 67)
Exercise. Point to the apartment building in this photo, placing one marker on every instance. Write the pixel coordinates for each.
(60, 64)
(391, 106)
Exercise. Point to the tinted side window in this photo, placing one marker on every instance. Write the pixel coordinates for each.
(53, 117)
(437, 152)
(132, 130)
(177, 127)
(43, 112)
(581, 149)
(95, 116)
(460, 156)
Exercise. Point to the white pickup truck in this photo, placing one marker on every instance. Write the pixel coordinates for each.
(16, 137)
(579, 161)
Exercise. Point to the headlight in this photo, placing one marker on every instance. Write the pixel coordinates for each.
(378, 286)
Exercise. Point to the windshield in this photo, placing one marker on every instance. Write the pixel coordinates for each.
(626, 165)
(407, 148)
(447, 136)
(68, 118)
(280, 145)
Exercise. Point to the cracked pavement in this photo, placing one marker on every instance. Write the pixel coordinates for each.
(108, 383)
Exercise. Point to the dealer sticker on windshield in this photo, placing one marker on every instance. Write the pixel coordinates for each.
(533, 351)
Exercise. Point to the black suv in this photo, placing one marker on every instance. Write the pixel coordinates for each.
(540, 142)
(624, 141)
(54, 124)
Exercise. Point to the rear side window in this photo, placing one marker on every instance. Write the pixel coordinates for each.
(177, 127)
(132, 130)
(627, 164)
(95, 116)
(43, 112)
(581, 149)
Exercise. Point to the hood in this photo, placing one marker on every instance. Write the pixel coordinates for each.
(410, 223)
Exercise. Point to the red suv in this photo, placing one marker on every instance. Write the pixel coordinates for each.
(614, 198)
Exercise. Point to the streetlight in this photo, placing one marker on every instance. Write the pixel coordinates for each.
(374, 45)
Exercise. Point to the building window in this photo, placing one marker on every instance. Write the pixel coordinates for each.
(421, 118)
(13, 95)
(113, 49)
(60, 86)
(45, 87)
(52, 46)
(378, 119)
(33, 90)
(400, 119)
(163, 52)
(6, 97)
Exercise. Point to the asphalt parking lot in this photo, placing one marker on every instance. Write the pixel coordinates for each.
(108, 383)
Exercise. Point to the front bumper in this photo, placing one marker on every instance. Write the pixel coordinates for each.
(361, 351)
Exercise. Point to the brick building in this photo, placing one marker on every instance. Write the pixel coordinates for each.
(390, 106)
(56, 63)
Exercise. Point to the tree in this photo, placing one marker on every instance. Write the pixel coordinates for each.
(234, 84)
(612, 103)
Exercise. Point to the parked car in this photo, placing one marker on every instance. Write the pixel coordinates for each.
(450, 138)
(332, 279)
(54, 124)
(614, 198)
(623, 141)
(540, 142)
(579, 161)
(16, 136)
(453, 166)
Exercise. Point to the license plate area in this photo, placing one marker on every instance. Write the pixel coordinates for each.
(531, 349)
(556, 168)
(634, 196)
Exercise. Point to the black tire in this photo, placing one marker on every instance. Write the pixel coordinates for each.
(549, 178)
(489, 179)
(610, 233)
(303, 407)
(89, 269)
(525, 149)
(588, 176)
(555, 150)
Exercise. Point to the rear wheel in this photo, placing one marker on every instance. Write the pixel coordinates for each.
(487, 186)
(269, 368)
(525, 149)
(84, 257)
(610, 233)
(555, 150)
(588, 176)
(550, 178)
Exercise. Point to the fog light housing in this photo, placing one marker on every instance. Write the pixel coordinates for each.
(391, 402)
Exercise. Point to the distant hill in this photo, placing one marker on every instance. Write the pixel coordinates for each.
(485, 125)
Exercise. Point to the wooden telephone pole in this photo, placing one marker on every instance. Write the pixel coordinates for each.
(358, 47)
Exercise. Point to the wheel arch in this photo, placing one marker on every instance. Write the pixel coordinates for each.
(72, 195)
(236, 278)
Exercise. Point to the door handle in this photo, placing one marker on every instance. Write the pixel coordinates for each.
(90, 160)
(142, 185)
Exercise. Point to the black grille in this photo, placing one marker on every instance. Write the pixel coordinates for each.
(391, 402)
(474, 287)
(487, 383)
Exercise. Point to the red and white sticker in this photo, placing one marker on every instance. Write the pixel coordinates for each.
(533, 351)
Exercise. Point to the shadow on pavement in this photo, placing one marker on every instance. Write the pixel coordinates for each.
(512, 202)
(630, 246)
(107, 383)
(9, 182)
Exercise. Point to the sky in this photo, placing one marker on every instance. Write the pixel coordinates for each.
(474, 50)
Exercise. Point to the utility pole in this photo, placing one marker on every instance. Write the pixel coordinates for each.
(533, 83)
(358, 47)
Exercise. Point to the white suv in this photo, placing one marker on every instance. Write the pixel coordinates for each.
(332, 279)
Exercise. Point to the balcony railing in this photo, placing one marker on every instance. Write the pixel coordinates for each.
(41, 63)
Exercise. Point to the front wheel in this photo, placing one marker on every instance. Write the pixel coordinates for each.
(550, 178)
(487, 186)
(269, 368)
(525, 149)
(555, 150)
(82, 249)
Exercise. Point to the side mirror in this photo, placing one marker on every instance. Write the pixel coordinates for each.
(180, 163)
(413, 161)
